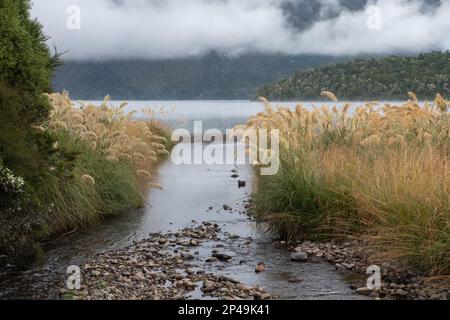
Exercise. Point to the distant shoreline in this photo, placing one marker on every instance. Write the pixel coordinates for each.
(113, 99)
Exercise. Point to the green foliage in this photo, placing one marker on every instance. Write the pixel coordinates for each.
(11, 190)
(26, 152)
(291, 200)
(16, 223)
(23, 148)
(25, 72)
(387, 78)
(25, 60)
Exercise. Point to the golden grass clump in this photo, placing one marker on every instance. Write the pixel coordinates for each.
(111, 130)
(381, 171)
(87, 179)
(330, 95)
(106, 162)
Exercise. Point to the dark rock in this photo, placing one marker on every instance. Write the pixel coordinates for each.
(296, 280)
(228, 279)
(299, 257)
(208, 286)
(340, 267)
(364, 291)
(222, 256)
(401, 293)
(260, 267)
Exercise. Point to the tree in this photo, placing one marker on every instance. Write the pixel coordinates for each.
(25, 59)
(25, 73)
(26, 152)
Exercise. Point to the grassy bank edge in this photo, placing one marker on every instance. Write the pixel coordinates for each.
(395, 195)
(85, 184)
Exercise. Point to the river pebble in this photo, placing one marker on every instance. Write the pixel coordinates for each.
(144, 271)
(354, 257)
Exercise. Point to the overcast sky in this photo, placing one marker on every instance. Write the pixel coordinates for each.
(180, 28)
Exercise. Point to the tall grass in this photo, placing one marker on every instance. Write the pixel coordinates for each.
(381, 172)
(106, 163)
(75, 200)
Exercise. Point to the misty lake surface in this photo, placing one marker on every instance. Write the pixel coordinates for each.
(217, 114)
(199, 192)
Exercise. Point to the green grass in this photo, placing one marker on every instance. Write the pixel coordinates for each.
(75, 203)
(298, 203)
(398, 201)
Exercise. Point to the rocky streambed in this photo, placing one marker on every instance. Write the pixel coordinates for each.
(164, 266)
(207, 261)
(352, 258)
(190, 264)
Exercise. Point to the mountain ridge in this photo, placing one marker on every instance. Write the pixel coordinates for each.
(203, 78)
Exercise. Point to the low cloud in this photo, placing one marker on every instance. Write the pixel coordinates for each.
(156, 29)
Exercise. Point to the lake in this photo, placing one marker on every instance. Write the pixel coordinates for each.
(219, 114)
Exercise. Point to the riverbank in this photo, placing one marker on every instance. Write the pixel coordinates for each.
(378, 173)
(102, 165)
(196, 263)
(130, 273)
(352, 259)
(218, 259)
(216, 200)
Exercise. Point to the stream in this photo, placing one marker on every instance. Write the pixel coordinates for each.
(194, 194)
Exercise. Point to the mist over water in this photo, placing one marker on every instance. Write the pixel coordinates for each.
(217, 114)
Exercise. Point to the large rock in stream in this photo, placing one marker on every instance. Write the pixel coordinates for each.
(299, 257)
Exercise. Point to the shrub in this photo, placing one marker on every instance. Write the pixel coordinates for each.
(16, 231)
(24, 147)
(11, 191)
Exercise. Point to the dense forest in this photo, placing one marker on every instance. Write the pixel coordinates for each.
(360, 79)
(210, 77)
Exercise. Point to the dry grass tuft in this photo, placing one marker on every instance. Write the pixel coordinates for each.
(107, 162)
(111, 130)
(382, 172)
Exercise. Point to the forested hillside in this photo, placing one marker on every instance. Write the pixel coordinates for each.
(386, 78)
(209, 77)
